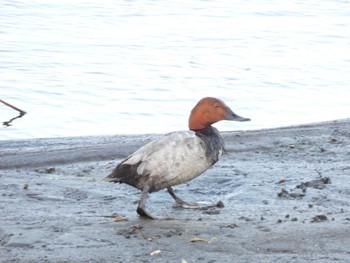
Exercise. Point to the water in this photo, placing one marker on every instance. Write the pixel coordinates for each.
(132, 67)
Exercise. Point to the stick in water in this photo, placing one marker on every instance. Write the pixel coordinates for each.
(21, 113)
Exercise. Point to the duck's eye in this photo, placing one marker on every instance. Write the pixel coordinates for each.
(216, 105)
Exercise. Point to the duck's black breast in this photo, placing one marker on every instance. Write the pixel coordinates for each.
(212, 142)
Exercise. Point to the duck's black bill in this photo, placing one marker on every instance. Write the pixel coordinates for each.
(231, 116)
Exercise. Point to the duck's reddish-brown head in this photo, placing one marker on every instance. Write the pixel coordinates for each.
(210, 110)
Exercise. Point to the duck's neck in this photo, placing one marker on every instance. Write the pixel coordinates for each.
(213, 143)
(209, 130)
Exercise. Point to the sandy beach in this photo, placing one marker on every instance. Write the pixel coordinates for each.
(285, 192)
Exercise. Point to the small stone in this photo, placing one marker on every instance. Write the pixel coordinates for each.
(156, 252)
(319, 218)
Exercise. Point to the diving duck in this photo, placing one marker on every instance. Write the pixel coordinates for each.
(177, 157)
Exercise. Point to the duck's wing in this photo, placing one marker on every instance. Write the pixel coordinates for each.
(172, 159)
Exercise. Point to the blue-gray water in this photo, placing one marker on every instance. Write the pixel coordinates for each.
(130, 67)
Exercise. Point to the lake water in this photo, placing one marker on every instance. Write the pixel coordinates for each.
(133, 67)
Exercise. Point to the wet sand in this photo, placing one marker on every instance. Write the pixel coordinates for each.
(285, 192)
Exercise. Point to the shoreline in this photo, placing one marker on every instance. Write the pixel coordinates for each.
(103, 147)
(285, 192)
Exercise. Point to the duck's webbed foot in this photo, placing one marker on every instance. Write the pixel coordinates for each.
(193, 205)
(141, 209)
(142, 212)
(198, 205)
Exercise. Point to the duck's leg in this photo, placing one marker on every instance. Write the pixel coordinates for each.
(181, 203)
(178, 200)
(141, 208)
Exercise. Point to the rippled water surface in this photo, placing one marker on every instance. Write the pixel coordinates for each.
(132, 67)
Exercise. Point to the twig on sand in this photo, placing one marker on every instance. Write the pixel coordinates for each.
(21, 113)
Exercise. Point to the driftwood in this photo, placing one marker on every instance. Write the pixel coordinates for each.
(21, 113)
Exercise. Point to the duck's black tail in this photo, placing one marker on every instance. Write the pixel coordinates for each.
(112, 177)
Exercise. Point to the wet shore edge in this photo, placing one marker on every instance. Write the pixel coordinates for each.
(64, 150)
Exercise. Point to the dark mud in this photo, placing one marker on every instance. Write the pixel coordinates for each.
(285, 192)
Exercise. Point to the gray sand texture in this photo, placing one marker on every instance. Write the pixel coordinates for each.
(285, 191)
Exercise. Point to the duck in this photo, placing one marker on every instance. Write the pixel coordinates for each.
(177, 157)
